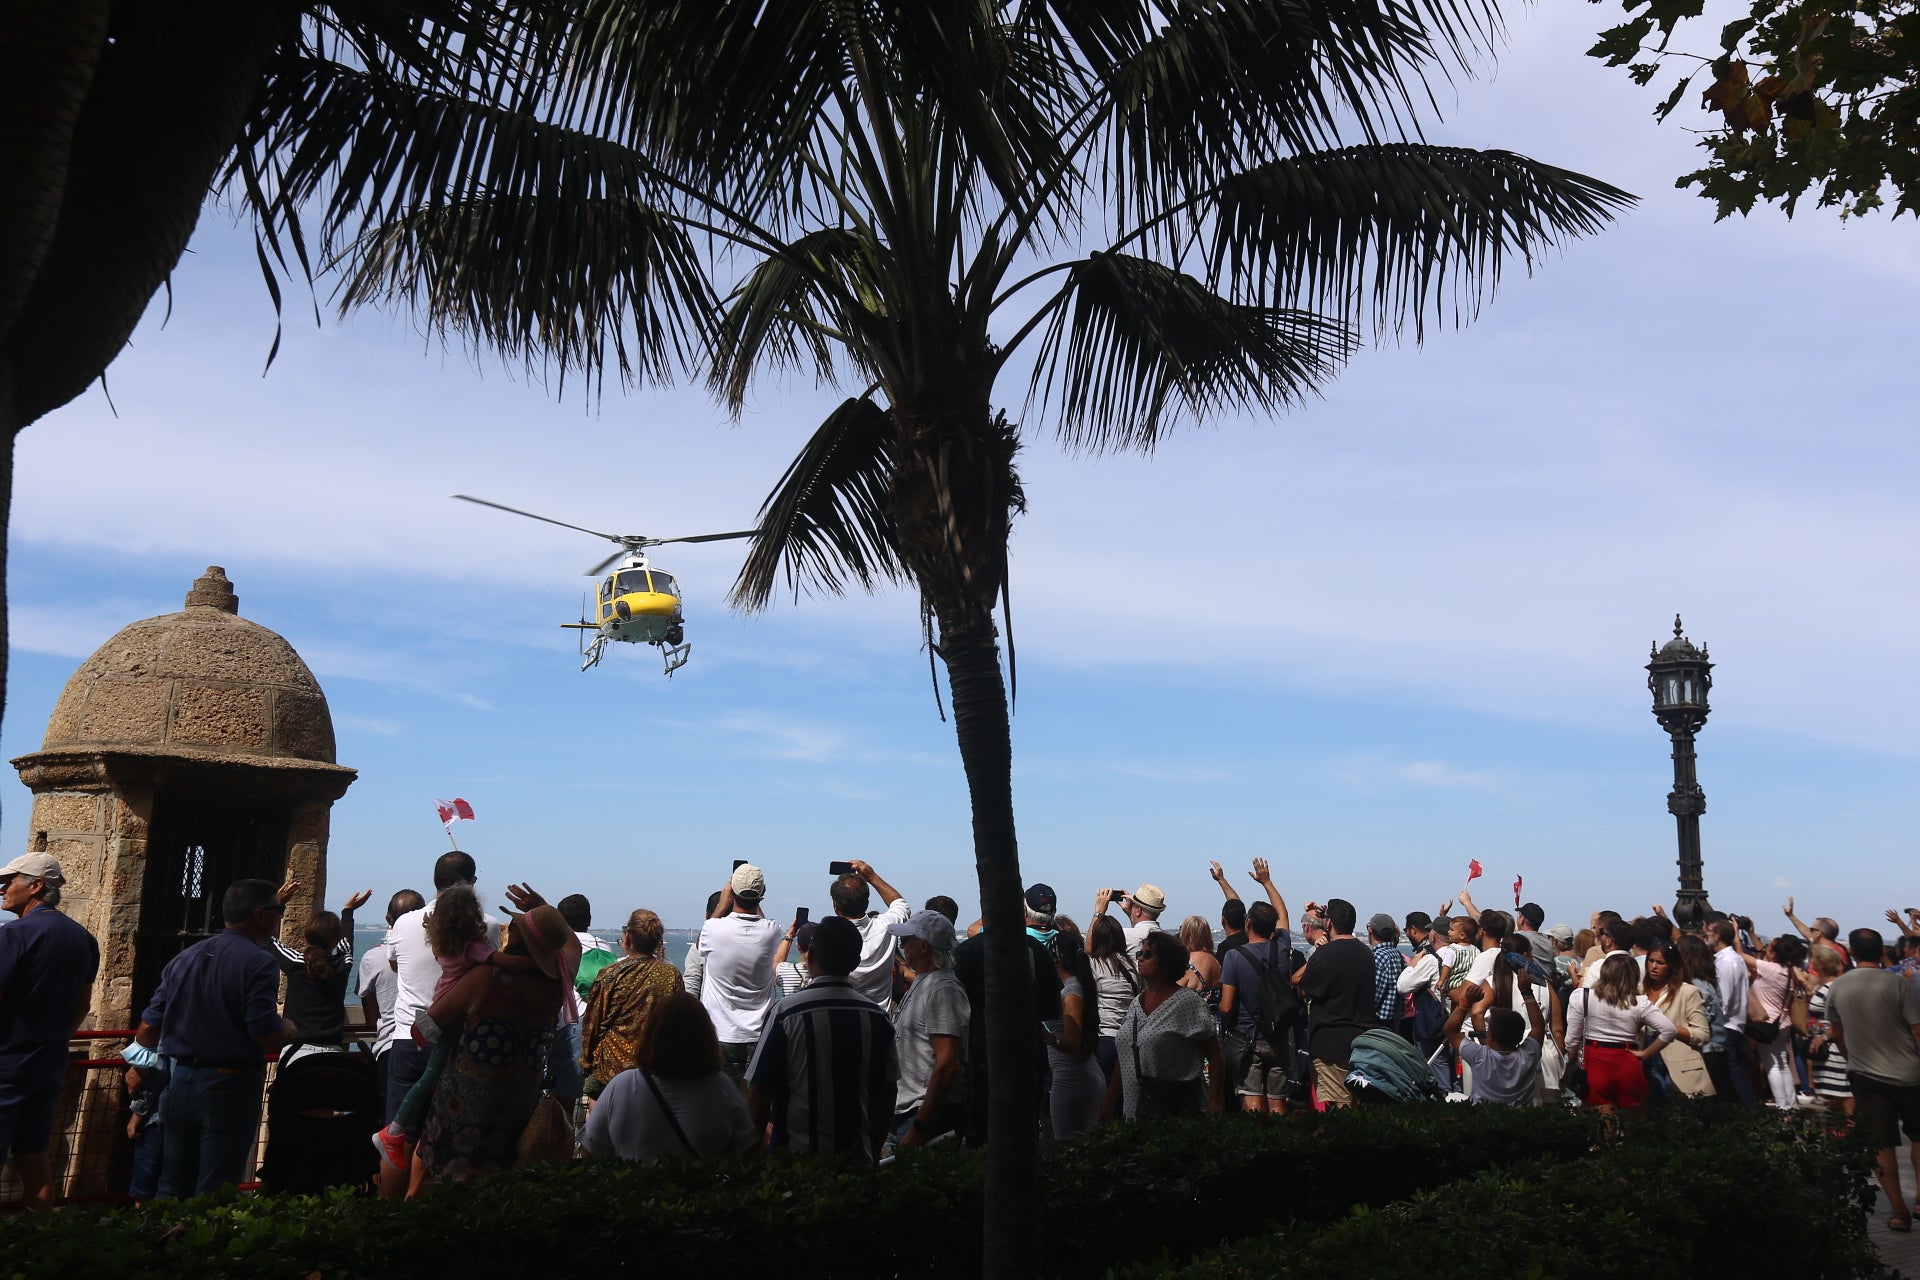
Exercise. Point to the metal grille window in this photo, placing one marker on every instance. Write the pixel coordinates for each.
(198, 843)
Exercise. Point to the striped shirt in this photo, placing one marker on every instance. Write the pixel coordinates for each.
(826, 1061)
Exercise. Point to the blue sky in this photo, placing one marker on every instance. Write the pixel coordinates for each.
(1393, 631)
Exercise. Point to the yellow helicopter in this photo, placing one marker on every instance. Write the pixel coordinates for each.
(637, 602)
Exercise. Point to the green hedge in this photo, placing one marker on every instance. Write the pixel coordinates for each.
(1701, 1192)
(1147, 1197)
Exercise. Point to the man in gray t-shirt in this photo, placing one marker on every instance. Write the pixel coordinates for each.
(929, 1032)
(1875, 1017)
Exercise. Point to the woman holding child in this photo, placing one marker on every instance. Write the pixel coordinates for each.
(502, 1015)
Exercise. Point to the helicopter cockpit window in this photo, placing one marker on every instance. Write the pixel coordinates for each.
(631, 580)
(606, 590)
(664, 582)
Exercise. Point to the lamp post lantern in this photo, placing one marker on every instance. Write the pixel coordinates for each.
(1679, 676)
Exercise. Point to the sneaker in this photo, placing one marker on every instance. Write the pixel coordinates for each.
(392, 1146)
(1805, 1100)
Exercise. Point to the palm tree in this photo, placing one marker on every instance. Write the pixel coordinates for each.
(117, 118)
(896, 197)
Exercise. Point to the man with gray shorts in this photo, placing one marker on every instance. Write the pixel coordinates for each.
(1257, 1051)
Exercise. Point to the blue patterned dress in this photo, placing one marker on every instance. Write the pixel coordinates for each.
(489, 1091)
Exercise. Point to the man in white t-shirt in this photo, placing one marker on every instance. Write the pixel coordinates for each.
(379, 985)
(852, 897)
(738, 984)
(1730, 973)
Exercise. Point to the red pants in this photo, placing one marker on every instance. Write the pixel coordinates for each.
(1615, 1078)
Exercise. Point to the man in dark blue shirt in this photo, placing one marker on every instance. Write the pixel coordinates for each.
(47, 967)
(214, 1014)
(824, 1070)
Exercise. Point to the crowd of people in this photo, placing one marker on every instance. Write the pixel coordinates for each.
(862, 1034)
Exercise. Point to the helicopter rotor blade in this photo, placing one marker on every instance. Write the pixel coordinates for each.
(610, 537)
(711, 537)
(606, 564)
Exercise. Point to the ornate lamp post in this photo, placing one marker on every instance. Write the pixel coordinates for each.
(1679, 676)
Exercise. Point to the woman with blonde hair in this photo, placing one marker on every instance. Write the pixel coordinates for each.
(1604, 1025)
(1203, 967)
(1674, 994)
(620, 1000)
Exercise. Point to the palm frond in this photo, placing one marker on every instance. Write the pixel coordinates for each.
(583, 284)
(1395, 231)
(795, 309)
(539, 240)
(828, 519)
(1133, 346)
(1218, 87)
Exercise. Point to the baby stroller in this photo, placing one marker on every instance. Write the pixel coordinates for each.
(1386, 1068)
(322, 1111)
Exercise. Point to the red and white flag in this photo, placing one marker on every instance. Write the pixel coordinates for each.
(1516, 891)
(1474, 871)
(452, 811)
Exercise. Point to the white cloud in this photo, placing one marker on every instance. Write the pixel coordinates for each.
(1438, 773)
(783, 739)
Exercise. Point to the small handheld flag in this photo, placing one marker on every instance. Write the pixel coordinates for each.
(1516, 891)
(1474, 871)
(452, 811)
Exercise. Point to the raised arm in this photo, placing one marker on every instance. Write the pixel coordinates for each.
(1220, 878)
(1466, 904)
(888, 894)
(1457, 1020)
(1536, 1021)
(1794, 920)
(1265, 879)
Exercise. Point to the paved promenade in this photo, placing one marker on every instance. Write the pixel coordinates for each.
(1896, 1250)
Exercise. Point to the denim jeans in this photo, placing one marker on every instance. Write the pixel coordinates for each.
(211, 1118)
(563, 1063)
(1735, 1042)
(406, 1062)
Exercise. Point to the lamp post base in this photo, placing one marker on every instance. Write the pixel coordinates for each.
(1690, 911)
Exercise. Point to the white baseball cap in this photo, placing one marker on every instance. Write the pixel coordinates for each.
(749, 882)
(34, 866)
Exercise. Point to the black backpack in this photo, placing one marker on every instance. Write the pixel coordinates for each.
(1279, 1003)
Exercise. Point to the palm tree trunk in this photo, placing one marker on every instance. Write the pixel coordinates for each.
(980, 722)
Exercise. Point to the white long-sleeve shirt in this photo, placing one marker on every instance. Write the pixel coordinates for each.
(1423, 972)
(1730, 972)
(1591, 1018)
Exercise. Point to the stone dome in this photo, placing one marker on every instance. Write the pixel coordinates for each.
(202, 684)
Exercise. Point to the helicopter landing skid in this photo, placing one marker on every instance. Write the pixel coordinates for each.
(590, 652)
(675, 656)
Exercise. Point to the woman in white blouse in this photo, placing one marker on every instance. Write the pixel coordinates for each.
(1165, 1038)
(1604, 1023)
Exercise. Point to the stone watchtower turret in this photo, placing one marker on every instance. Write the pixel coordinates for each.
(189, 751)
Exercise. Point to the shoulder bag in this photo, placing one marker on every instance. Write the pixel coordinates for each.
(548, 1137)
(1157, 1097)
(672, 1121)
